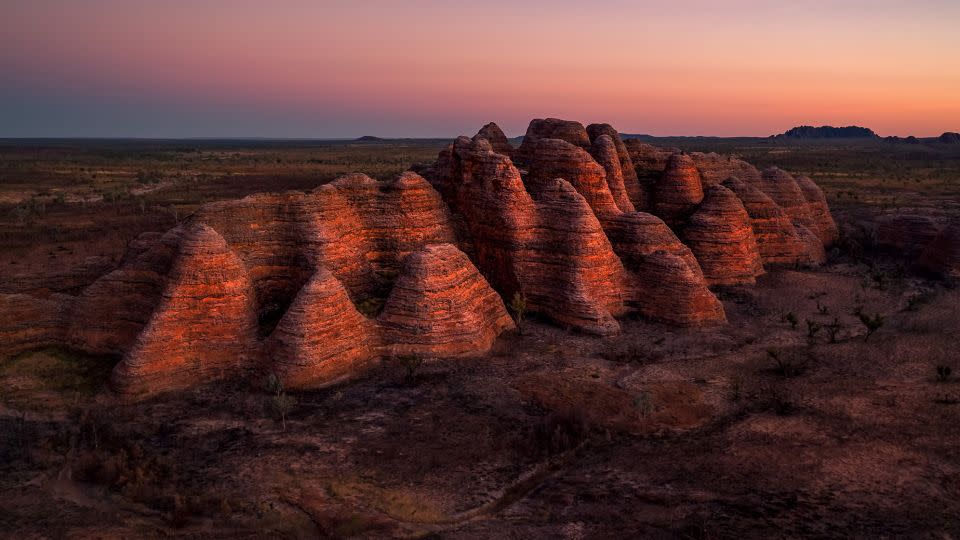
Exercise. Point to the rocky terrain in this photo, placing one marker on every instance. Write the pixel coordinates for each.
(588, 338)
(315, 286)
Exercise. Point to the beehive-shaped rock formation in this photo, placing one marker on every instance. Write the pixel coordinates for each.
(322, 338)
(441, 305)
(907, 233)
(551, 128)
(316, 286)
(497, 139)
(605, 152)
(205, 326)
(777, 238)
(630, 180)
(824, 226)
(942, 255)
(721, 237)
(678, 192)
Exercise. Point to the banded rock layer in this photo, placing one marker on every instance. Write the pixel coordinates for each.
(316, 286)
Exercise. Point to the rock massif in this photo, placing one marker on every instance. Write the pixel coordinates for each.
(313, 287)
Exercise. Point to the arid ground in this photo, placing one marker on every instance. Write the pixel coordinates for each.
(791, 420)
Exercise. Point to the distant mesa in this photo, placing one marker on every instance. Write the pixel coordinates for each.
(829, 132)
(369, 138)
(314, 287)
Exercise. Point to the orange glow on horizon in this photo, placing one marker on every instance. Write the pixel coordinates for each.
(692, 68)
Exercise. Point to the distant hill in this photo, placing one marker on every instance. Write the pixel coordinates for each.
(829, 132)
(949, 138)
(369, 138)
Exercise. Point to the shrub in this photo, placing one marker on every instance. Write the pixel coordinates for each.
(560, 431)
(784, 364)
(833, 329)
(943, 373)
(411, 366)
(792, 319)
(281, 403)
(872, 324)
(812, 328)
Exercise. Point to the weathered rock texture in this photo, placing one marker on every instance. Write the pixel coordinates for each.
(601, 152)
(316, 286)
(679, 191)
(205, 326)
(824, 226)
(497, 139)
(777, 238)
(442, 305)
(551, 128)
(721, 237)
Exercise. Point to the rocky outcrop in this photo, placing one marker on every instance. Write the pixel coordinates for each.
(631, 182)
(316, 286)
(907, 234)
(31, 321)
(605, 152)
(580, 266)
(823, 224)
(721, 237)
(441, 306)
(715, 168)
(322, 338)
(942, 255)
(61, 279)
(678, 192)
(777, 237)
(205, 327)
(553, 159)
(648, 158)
(550, 128)
(497, 139)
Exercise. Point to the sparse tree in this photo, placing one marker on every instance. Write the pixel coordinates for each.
(872, 324)
(792, 319)
(812, 328)
(833, 329)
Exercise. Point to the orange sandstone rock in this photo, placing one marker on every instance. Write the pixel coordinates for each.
(441, 306)
(550, 128)
(721, 237)
(824, 226)
(678, 192)
(942, 255)
(205, 327)
(605, 152)
(497, 139)
(630, 180)
(322, 338)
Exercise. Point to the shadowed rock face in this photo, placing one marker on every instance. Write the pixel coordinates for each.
(630, 181)
(721, 237)
(824, 226)
(316, 286)
(497, 139)
(678, 192)
(909, 234)
(605, 152)
(942, 255)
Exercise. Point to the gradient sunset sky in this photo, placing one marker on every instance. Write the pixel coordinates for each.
(319, 69)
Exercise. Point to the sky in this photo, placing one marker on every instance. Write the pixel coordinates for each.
(430, 68)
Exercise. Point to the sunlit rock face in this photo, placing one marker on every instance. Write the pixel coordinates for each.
(315, 287)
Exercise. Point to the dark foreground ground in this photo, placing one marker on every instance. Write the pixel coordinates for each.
(754, 429)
